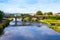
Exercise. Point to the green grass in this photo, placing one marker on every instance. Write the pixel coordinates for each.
(54, 24)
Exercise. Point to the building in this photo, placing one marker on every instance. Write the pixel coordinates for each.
(57, 14)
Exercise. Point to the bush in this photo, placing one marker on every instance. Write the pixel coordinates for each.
(1, 29)
(26, 19)
(34, 19)
(57, 17)
(50, 17)
(52, 24)
(48, 13)
(3, 25)
(53, 17)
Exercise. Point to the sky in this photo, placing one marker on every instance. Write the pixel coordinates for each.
(29, 6)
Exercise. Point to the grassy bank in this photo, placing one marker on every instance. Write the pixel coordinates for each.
(52, 23)
(4, 24)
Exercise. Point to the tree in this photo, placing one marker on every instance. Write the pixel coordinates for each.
(1, 15)
(39, 12)
(26, 15)
(48, 13)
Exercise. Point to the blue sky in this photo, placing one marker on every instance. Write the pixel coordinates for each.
(29, 6)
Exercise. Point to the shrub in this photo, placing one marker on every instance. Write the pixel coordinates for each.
(48, 13)
(50, 17)
(52, 24)
(4, 24)
(1, 29)
(57, 17)
(26, 19)
(34, 19)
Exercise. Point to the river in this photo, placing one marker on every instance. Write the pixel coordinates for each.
(34, 31)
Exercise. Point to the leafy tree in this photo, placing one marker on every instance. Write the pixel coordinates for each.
(48, 13)
(1, 15)
(39, 12)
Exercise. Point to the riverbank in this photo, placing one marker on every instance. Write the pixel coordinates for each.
(4, 24)
(52, 23)
(29, 32)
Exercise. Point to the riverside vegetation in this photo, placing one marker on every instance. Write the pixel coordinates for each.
(3, 23)
(53, 21)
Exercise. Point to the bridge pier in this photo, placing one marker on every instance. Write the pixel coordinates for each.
(15, 20)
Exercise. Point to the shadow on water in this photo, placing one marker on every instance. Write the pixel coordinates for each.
(31, 32)
(1, 33)
(20, 23)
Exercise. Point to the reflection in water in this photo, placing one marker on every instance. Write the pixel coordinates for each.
(29, 33)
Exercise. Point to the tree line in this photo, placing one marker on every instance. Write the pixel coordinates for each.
(41, 13)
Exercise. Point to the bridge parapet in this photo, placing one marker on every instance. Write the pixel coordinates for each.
(25, 16)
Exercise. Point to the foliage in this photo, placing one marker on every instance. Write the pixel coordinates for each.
(53, 17)
(1, 28)
(1, 15)
(34, 19)
(53, 24)
(26, 19)
(11, 15)
(39, 12)
(26, 15)
(48, 13)
(50, 17)
(4, 24)
(57, 17)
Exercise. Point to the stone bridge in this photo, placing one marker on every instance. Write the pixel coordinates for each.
(39, 17)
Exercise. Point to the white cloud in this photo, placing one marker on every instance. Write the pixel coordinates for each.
(26, 6)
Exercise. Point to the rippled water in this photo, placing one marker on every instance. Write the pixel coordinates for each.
(32, 32)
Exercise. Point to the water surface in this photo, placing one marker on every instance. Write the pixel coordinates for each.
(32, 32)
